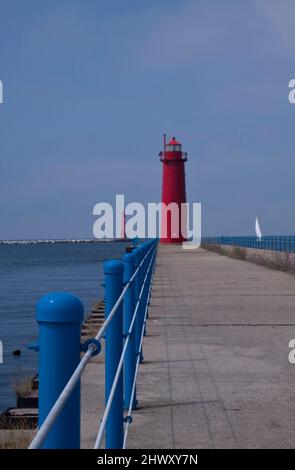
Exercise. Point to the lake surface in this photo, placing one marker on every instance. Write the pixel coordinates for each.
(28, 271)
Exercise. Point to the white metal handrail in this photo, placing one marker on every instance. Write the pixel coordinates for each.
(120, 365)
(61, 401)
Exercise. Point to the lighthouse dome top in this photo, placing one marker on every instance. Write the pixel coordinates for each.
(173, 145)
(173, 141)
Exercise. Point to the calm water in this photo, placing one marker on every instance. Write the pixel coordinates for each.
(26, 273)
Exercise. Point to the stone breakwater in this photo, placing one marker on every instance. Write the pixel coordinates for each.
(278, 260)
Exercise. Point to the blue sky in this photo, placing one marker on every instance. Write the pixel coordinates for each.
(90, 86)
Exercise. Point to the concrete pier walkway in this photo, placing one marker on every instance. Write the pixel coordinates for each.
(216, 371)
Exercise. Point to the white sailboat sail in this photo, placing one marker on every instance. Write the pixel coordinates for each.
(257, 230)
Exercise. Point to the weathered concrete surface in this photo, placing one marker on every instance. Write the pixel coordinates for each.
(92, 400)
(216, 371)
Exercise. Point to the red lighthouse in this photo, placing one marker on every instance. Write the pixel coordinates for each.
(173, 226)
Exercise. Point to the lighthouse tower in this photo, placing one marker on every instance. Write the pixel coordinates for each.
(173, 191)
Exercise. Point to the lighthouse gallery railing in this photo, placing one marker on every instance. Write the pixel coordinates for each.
(127, 293)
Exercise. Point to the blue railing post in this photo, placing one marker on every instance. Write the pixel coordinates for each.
(149, 258)
(152, 268)
(130, 357)
(141, 305)
(59, 315)
(113, 271)
(145, 267)
(137, 255)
